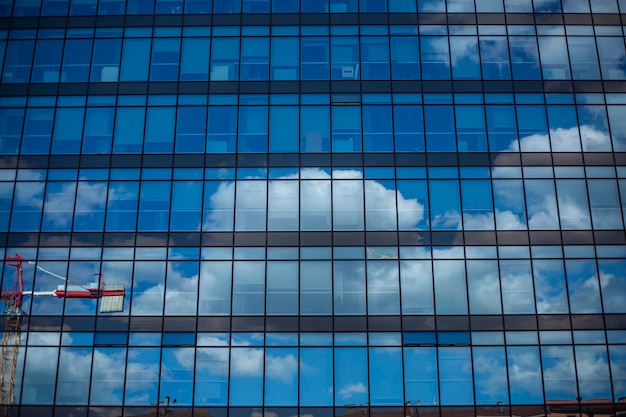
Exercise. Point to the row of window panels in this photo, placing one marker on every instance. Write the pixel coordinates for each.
(583, 239)
(486, 329)
(120, 7)
(374, 287)
(553, 100)
(314, 204)
(601, 410)
(313, 129)
(320, 339)
(378, 376)
(315, 58)
(318, 253)
(336, 30)
(293, 173)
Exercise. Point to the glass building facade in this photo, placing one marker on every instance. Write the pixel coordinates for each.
(317, 208)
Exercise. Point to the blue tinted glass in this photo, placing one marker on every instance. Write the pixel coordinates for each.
(445, 205)
(533, 130)
(434, 52)
(612, 54)
(440, 136)
(455, 375)
(169, 7)
(55, 7)
(431, 5)
(17, 63)
(195, 59)
(253, 129)
(159, 130)
(47, 62)
(524, 58)
(464, 52)
(135, 60)
(408, 128)
(98, 132)
(12, 120)
(198, 6)
(27, 206)
(583, 57)
(285, 6)
(256, 6)
(405, 63)
(377, 135)
(26, 7)
(76, 60)
(494, 54)
(222, 129)
(255, 58)
(470, 125)
(344, 58)
(284, 129)
(453, 338)
(165, 60)
(554, 59)
(129, 128)
(501, 126)
(154, 206)
(140, 7)
(122, 206)
(106, 60)
(315, 6)
(112, 7)
(315, 59)
(224, 59)
(346, 134)
(227, 6)
(191, 129)
(418, 338)
(37, 131)
(315, 129)
(68, 130)
(374, 58)
(83, 7)
(285, 58)
(6, 194)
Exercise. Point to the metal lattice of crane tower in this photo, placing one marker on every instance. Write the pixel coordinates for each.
(9, 348)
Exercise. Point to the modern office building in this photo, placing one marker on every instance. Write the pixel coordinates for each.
(315, 208)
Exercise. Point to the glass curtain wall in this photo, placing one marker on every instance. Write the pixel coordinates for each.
(247, 208)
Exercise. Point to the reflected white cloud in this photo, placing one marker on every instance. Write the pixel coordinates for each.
(284, 368)
(550, 293)
(584, 294)
(347, 200)
(613, 291)
(490, 376)
(484, 287)
(564, 140)
(449, 220)
(524, 375)
(348, 391)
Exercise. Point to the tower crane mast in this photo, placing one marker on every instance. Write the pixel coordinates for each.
(112, 297)
(10, 344)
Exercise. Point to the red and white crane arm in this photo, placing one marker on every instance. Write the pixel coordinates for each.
(70, 289)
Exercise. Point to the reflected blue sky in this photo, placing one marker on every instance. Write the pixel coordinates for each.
(328, 200)
(247, 375)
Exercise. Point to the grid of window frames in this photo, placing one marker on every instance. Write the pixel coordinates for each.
(314, 123)
(366, 52)
(146, 7)
(385, 253)
(431, 364)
